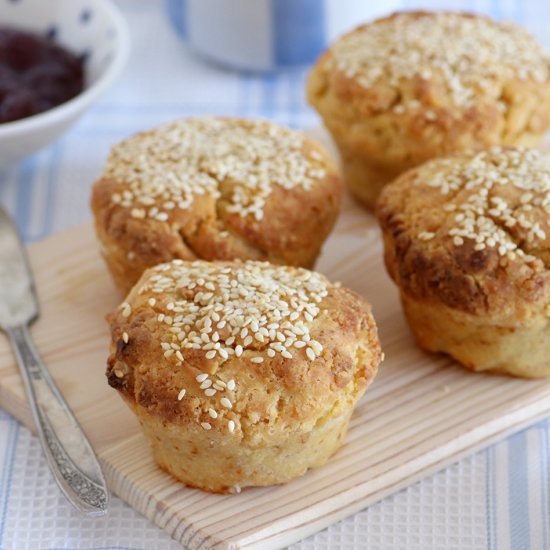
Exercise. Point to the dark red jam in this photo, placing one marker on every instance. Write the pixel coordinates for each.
(35, 74)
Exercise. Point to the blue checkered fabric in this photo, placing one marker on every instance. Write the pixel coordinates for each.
(495, 499)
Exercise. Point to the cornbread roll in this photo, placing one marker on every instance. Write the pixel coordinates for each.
(467, 241)
(418, 85)
(214, 189)
(241, 374)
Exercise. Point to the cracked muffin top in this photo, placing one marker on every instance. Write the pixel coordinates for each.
(215, 188)
(473, 231)
(245, 347)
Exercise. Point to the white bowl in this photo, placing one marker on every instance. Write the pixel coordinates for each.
(94, 28)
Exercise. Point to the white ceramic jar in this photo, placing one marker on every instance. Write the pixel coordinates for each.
(265, 35)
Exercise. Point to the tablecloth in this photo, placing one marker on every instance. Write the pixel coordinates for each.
(495, 499)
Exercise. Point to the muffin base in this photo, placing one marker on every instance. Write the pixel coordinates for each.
(365, 179)
(220, 464)
(123, 270)
(481, 345)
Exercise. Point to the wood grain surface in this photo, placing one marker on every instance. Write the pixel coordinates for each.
(421, 413)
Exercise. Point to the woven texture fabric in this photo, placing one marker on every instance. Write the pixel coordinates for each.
(496, 499)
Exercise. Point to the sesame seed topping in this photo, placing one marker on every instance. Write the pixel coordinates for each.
(165, 169)
(502, 191)
(204, 309)
(225, 322)
(226, 403)
(125, 337)
(181, 394)
(468, 55)
(231, 426)
(206, 425)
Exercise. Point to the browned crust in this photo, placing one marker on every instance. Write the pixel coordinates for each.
(289, 414)
(478, 282)
(284, 394)
(296, 223)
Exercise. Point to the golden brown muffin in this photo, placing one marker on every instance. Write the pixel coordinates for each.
(467, 240)
(215, 189)
(241, 373)
(418, 85)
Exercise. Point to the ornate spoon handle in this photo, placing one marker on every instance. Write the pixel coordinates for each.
(70, 456)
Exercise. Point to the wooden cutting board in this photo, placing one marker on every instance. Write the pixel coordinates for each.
(422, 412)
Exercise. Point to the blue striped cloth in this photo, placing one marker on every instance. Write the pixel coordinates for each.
(495, 499)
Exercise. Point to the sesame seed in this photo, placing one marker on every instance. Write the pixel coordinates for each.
(206, 384)
(247, 341)
(201, 377)
(151, 302)
(210, 354)
(257, 360)
(126, 309)
(226, 403)
(458, 241)
(206, 425)
(181, 394)
(310, 354)
(210, 392)
(426, 235)
(125, 337)
(231, 426)
(231, 385)
(212, 413)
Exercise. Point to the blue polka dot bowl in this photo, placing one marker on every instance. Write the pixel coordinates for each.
(94, 29)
